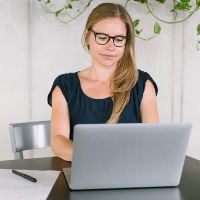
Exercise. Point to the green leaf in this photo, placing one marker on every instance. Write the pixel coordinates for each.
(183, 5)
(58, 12)
(48, 1)
(141, 1)
(198, 3)
(161, 1)
(198, 45)
(138, 32)
(136, 22)
(68, 6)
(157, 28)
(198, 29)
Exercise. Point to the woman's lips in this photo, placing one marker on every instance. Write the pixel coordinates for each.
(108, 56)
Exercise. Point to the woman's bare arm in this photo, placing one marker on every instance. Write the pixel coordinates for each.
(60, 126)
(149, 110)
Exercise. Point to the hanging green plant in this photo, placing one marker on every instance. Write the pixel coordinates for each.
(68, 10)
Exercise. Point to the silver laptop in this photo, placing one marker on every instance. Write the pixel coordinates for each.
(110, 156)
(167, 193)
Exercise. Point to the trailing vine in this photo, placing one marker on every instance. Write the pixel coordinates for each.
(69, 10)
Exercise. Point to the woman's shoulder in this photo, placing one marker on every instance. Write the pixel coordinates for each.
(65, 77)
(143, 76)
(66, 82)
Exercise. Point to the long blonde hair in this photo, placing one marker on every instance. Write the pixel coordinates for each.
(126, 74)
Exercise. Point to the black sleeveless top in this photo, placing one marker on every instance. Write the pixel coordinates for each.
(86, 110)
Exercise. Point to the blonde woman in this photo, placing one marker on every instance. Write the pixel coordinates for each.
(110, 90)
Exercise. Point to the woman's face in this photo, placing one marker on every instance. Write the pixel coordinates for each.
(107, 55)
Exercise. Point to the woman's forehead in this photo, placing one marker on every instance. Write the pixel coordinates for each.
(111, 25)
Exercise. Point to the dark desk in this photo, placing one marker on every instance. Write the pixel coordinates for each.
(189, 188)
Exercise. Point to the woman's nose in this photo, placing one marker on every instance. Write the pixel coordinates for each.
(110, 44)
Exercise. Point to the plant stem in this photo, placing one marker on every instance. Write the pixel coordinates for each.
(44, 5)
(72, 18)
(146, 39)
(148, 5)
(126, 3)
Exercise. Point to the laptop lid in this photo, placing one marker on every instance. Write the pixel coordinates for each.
(128, 155)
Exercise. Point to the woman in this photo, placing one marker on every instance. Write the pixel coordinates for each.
(110, 90)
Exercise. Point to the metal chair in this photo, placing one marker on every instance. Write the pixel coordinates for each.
(29, 135)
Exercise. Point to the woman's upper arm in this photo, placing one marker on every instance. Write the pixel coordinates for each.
(149, 110)
(60, 124)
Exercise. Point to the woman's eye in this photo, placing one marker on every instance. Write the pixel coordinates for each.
(119, 39)
(102, 37)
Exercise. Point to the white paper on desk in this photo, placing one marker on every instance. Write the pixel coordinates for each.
(13, 186)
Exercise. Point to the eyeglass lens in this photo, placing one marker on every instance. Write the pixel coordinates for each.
(103, 39)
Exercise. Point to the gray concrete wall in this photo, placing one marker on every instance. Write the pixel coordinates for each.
(35, 48)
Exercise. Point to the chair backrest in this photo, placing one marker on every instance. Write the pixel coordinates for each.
(29, 135)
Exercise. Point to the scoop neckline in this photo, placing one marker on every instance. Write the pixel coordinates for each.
(95, 99)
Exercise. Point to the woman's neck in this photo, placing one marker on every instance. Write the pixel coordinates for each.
(101, 74)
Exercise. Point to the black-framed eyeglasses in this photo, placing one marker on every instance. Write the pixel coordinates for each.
(102, 39)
